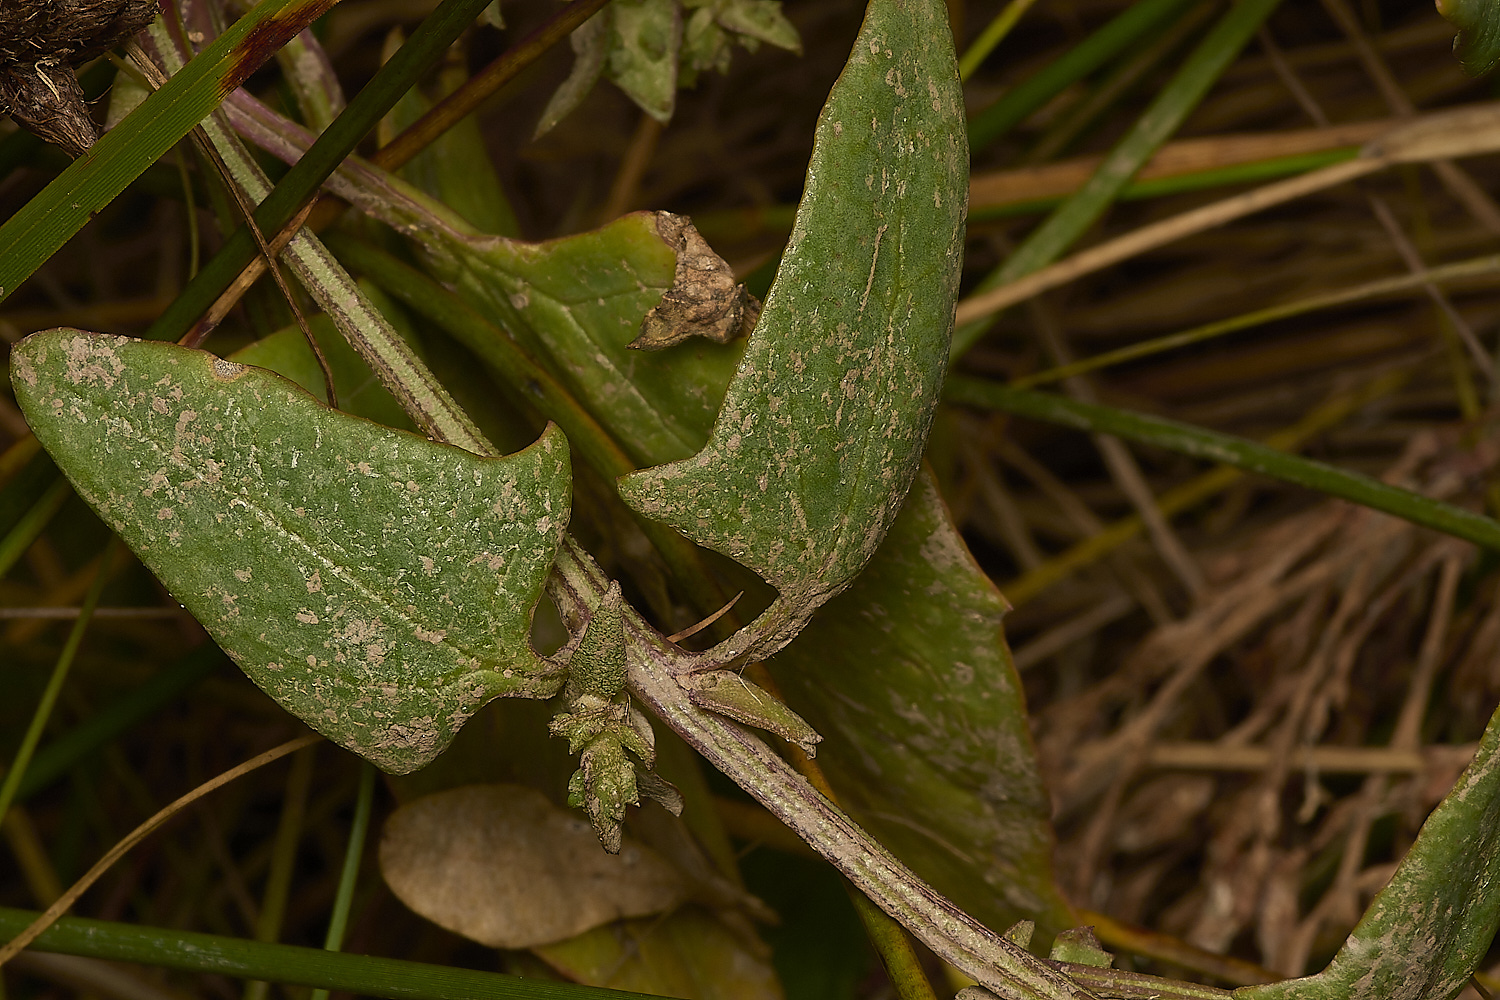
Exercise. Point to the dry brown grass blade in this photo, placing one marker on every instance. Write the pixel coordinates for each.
(1444, 135)
(994, 188)
(77, 889)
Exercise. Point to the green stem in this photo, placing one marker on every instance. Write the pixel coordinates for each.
(894, 947)
(60, 670)
(1229, 450)
(30, 526)
(283, 858)
(281, 963)
(426, 46)
(343, 900)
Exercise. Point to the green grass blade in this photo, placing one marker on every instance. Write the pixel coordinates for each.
(354, 852)
(1229, 450)
(1064, 226)
(993, 34)
(31, 524)
(1085, 57)
(64, 663)
(121, 715)
(50, 219)
(426, 46)
(281, 963)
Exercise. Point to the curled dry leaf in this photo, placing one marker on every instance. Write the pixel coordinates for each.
(503, 866)
(704, 300)
(40, 42)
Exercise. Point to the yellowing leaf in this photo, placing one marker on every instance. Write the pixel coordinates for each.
(378, 585)
(503, 866)
(688, 954)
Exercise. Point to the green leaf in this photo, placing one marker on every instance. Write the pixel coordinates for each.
(590, 44)
(378, 585)
(572, 304)
(456, 167)
(761, 20)
(1478, 43)
(575, 303)
(360, 393)
(687, 953)
(908, 678)
(643, 47)
(714, 24)
(1426, 932)
(824, 423)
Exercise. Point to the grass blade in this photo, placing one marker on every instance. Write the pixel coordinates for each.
(1229, 450)
(50, 219)
(281, 963)
(1064, 226)
(1085, 57)
(426, 45)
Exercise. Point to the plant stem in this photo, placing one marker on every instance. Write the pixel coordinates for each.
(425, 46)
(343, 900)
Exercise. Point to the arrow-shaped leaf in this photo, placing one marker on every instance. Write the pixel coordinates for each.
(825, 421)
(378, 585)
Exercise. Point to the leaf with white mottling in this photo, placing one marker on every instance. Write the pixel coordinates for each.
(378, 585)
(1429, 929)
(825, 421)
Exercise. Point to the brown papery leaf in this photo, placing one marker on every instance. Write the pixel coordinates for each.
(501, 865)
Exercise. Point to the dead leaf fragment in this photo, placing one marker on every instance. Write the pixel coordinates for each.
(501, 865)
(704, 300)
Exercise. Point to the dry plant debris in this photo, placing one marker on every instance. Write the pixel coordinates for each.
(505, 867)
(40, 43)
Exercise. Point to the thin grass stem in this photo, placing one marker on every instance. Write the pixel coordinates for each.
(1187, 87)
(41, 923)
(1476, 267)
(43, 713)
(362, 975)
(993, 34)
(343, 900)
(1081, 60)
(1240, 453)
(32, 523)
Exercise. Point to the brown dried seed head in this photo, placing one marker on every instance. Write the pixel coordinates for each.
(40, 42)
